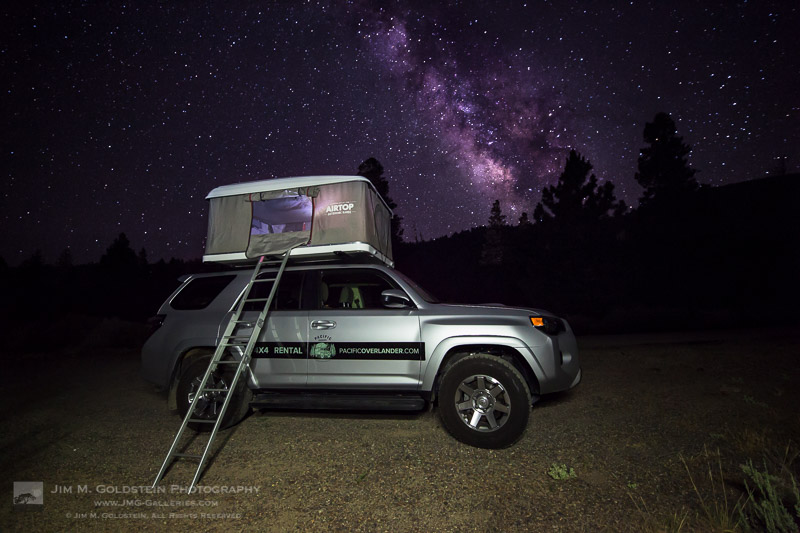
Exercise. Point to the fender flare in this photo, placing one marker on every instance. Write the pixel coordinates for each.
(444, 347)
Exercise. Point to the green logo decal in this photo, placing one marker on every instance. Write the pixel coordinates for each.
(323, 350)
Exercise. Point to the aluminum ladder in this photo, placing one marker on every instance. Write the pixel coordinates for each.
(230, 339)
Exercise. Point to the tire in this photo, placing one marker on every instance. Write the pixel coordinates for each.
(208, 408)
(484, 401)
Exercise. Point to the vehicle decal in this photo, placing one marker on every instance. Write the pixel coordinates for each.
(381, 351)
(398, 351)
(323, 350)
(279, 350)
(340, 208)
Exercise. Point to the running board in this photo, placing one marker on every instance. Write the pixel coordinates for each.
(340, 401)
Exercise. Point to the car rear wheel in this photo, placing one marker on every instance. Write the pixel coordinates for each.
(209, 405)
(484, 401)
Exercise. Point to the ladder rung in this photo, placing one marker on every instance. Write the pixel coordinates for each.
(188, 455)
(226, 362)
(256, 299)
(213, 390)
(262, 280)
(237, 337)
(202, 421)
(243, 343)
(243, 322)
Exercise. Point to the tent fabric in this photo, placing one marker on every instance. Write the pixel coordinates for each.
(228, 225)
(273, 220)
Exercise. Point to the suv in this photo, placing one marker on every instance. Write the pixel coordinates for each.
(364, 337)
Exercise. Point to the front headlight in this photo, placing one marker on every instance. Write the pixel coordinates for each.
(549, 324)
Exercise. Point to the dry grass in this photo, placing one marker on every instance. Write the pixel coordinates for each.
(720, 513)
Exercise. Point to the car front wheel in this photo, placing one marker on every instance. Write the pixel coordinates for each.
(484, 401)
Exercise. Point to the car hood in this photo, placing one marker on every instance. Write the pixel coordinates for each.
(487, 309)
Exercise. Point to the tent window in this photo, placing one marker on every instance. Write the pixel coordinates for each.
(281, 215)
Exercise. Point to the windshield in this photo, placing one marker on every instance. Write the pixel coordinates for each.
(428, 297)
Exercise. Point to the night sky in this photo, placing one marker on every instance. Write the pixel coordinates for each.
(122, 119)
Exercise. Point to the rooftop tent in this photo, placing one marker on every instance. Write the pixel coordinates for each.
(321, 214)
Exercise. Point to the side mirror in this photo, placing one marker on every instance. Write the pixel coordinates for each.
(395, 299)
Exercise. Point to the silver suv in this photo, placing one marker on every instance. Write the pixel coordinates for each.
(365, 337)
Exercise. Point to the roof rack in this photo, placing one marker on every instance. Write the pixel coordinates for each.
(352, 252)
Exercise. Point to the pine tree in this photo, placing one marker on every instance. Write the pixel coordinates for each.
(496, 216)
(372, 169)
(664, 170)
(65, 259)
(141, 260)
(523, 220)
(119, 256)
(577, 198)
(34, 263)
(493, 250)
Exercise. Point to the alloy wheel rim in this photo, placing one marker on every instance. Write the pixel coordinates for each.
(482, 403)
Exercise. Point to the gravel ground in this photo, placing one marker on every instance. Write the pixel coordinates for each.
(84, 418)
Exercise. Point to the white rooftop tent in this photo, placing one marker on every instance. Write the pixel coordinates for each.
(321, 214)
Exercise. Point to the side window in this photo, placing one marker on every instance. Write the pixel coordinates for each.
(199, 293)
(352, 289)
(288, 297)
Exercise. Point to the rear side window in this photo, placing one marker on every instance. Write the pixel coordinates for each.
(200, 292)
(289, 292)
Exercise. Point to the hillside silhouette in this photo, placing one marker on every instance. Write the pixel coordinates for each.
(726, 256)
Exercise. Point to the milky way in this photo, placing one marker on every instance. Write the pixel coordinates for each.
(122, 118)
(500, 131)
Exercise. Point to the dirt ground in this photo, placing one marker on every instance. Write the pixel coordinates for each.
(650, 407)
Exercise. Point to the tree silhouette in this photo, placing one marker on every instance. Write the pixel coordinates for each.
(666, 230)
(65, 259)
(664, 170)
(33, 263)
(141, 260)
(492, 251)
(577, 198)
(372, 169)
(496, 216)
(524, 221)
(576, 222)
(119, 256)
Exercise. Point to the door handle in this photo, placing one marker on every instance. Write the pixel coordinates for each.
(323, 324)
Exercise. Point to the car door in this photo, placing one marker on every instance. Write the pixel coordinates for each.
(355, 342)
(280, 356)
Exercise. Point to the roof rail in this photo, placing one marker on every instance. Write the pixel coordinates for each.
(352, 251)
